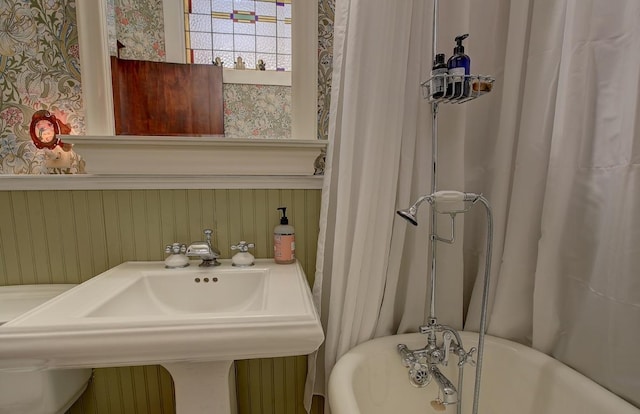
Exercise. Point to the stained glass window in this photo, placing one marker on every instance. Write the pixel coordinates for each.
(250, 29)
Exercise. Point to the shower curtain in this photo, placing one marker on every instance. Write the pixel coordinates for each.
(567, 273)
(552, 148)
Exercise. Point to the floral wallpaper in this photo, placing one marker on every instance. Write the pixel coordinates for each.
(326, 17)
(39, 69)
(257, 111)
(139, 27)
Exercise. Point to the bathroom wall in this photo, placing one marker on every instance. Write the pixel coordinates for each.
(39, 69)
(70, 236)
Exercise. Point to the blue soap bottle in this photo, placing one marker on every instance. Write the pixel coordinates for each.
(459, 69)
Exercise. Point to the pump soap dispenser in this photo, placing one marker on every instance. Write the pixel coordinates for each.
(459, 70)
(284, 240)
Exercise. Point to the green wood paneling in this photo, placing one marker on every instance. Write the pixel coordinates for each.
(71, 236)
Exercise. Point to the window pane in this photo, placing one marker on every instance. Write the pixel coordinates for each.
(221, 6)
(200, 23)
(265, 29)
(244, 5)
(284, 46)
(252, 29)
(200, 6)
(284, 11)
(265, 8)
(222, 25)
(284, 30)
(202, 56)
(244, 28)
(284, 62)
(244, 43)
(265, 44)
(200, 40)
(223, 42)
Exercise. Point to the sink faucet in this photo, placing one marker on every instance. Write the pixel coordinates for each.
(205, 251)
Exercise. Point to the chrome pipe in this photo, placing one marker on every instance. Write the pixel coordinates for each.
(434, 31)
(460, 378)
(434, 187)
(485, 301)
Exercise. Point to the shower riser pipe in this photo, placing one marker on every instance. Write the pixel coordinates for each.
(433, 224)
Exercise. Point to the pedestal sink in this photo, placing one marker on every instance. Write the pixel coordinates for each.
(193, 321)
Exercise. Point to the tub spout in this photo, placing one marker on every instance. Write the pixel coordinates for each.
(450, 395)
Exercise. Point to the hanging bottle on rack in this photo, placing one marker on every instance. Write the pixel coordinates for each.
(459, 70)
(438, 77)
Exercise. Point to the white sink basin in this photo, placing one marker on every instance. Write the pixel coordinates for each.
(168, 293)
(140, 313)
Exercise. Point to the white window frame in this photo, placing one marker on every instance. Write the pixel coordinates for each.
(100, 146)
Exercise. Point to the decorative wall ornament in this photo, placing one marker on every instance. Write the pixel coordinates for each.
(318, 165)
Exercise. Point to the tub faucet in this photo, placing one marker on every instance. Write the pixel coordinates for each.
(205, 251)
(423, 362)
(450, 395)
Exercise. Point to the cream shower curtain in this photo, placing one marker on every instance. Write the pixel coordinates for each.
(567, 273)
(552, 148)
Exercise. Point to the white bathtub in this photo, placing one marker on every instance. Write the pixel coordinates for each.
(370, 379)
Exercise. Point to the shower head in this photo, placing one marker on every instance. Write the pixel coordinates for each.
(443, 202)
(409, 214)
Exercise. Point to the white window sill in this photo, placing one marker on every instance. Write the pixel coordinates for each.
(256, 77)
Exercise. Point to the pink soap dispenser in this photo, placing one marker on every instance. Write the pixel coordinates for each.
(284, 240)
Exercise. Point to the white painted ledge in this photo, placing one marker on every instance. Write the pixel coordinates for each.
(256, 77)
(196, 155)
(144, 162)
(155, 182)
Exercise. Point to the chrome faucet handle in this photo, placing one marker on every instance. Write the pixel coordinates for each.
(408, 357)
(175, 248)
(243, 246)
(467, 358)
(447, 337)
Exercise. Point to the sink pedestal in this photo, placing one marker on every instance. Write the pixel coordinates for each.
(204, 387)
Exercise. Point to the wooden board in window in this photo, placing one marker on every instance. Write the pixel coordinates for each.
(158, 98)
